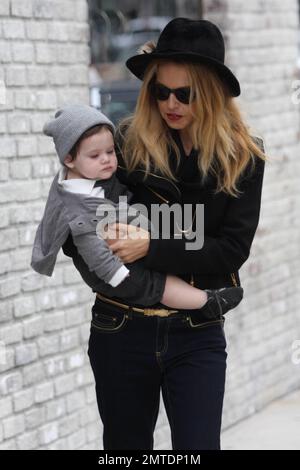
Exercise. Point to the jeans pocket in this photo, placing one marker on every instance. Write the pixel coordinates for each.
(108, 322)
(214, 328)
(193, 323)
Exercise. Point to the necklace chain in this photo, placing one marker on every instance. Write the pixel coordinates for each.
(188, 230)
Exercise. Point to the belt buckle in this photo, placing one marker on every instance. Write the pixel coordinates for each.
(161, 312)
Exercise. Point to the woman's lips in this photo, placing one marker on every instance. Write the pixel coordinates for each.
(173, 117)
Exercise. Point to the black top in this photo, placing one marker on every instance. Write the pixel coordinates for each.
(188, 168)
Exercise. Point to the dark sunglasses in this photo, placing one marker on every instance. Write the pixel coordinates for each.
(162, 93)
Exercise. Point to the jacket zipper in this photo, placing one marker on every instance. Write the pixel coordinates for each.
(231, 274)
(233, 278)
(158, 195)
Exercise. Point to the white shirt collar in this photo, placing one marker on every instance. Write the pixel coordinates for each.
(76, 185)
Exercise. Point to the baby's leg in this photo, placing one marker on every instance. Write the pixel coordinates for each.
(180, 294)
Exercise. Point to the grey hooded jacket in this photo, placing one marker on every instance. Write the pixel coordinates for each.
(74, 213)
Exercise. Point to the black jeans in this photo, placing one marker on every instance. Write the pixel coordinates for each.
(133, 357)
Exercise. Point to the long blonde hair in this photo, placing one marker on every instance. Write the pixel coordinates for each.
(225, 146)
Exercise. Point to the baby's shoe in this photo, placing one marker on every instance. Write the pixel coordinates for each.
(219, 301)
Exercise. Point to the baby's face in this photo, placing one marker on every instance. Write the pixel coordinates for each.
(96, 158)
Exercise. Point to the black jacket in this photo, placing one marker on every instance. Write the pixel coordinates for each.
(229, 223)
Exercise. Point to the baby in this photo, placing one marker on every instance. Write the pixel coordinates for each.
(83, 188)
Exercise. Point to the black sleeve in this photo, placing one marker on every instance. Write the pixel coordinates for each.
(222, 254)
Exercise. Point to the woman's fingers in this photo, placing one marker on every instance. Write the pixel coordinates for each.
(130, 231)
(128, 242)
(129, 250)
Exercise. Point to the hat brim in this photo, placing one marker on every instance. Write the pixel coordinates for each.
(138, 64)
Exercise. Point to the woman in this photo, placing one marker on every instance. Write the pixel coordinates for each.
(186, 144)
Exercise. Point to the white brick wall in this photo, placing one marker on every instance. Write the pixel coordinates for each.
(47, 396)
(262, 49)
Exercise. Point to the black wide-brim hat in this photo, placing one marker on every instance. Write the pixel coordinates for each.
(196, 41)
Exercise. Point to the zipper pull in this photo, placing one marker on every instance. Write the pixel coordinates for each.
(234, 279)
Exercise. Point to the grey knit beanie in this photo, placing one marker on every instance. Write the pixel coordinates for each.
(70, 123)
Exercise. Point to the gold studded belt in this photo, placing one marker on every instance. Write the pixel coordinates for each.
(160, 312)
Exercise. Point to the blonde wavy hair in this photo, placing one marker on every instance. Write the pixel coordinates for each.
(218, 132)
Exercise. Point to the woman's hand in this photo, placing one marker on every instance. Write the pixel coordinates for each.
(129, 243)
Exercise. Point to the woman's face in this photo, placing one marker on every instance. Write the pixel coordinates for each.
(177, 115)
